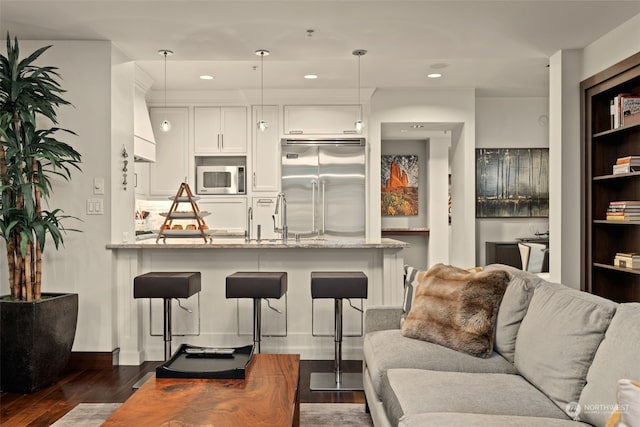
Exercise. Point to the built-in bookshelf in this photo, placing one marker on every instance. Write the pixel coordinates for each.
(607, 141)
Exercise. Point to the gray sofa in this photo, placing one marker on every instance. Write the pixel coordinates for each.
(557, 357)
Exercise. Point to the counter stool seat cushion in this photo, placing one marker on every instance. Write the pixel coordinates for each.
(256, 284)
(164, 284)
(338, 284)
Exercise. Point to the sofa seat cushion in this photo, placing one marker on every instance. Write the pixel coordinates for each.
(388, 349)
(483, 420)
(558, 339)
(413, 391)
(617, 358)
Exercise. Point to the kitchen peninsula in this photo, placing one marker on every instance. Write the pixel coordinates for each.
(227, 322)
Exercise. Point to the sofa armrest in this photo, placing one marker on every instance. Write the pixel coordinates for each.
(378, 318)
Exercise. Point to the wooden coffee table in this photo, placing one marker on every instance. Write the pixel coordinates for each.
(268, 396)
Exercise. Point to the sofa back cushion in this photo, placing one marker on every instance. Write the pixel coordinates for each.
(457, 308)
(513, 307)
(617, 357)
(512, 310)
(558, 339)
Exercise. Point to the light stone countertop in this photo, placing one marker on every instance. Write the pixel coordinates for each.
(239, 243)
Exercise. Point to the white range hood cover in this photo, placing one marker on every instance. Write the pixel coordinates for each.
(144, 141)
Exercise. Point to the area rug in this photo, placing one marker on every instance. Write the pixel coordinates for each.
(311, 415)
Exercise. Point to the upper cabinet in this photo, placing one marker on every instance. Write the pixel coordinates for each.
(265, 150)
(220, 130)
(321, 119)
(171, 165)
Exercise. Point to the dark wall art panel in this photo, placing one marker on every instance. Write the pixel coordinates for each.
(512, 182)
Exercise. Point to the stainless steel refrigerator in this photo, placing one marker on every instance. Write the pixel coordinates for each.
(324, 185)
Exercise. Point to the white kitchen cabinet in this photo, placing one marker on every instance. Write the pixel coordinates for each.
(220, 130)
(321, 119)
(227, 213)
(171, 166)
(263, 209)
(265, 150)
(141, 178)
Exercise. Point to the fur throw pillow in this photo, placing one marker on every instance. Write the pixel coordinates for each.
(457, 308)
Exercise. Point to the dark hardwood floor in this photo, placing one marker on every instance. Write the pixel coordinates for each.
(46, 406)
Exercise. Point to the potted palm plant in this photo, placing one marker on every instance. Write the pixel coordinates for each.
(36, 329)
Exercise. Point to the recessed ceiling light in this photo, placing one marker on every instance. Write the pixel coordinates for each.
(311, 76)
(434, 75)
(206, 77)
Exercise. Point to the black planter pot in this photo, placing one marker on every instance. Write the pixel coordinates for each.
(35, 341)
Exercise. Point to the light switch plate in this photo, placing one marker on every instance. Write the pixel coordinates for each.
(98, 185)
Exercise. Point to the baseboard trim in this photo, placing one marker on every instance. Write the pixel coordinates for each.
(87, 360)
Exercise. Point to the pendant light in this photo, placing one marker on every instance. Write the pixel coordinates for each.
(359, 125)
(165, 126)
(262, 124)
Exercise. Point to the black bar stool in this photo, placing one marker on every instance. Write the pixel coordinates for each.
(337, 285)
(167, 285)
(257, 285)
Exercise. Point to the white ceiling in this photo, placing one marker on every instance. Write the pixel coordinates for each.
(499, 47)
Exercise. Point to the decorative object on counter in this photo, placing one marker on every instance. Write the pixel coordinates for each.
(125, 163)
(168, 229)
(512, 182)
(165, 126)
(262, 124)
(359, 124)
(399, 186)
(38, 329)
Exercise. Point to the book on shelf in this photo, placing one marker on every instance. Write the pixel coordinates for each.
(624, 110)
(625, 168)
(628, 160)
(624, 203)
(630, 110)
(629, 209)
(622, 218)
(627, 260)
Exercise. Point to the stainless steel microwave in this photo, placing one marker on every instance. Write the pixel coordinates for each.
(220, 180)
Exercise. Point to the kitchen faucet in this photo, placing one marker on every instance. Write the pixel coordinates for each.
(281, 204)
(247, 234)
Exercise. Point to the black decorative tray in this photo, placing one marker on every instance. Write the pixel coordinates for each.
(206, 362)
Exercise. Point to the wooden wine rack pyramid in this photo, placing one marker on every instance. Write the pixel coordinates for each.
(184, 195)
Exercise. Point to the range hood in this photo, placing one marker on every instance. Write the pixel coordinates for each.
(144, 142)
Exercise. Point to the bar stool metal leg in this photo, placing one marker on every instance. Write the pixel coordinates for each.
(167, 329)
(337, 359)
(336, 380)
(257, 313)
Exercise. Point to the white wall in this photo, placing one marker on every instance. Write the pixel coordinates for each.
(611, 48)
(83, 265)
(510, 123)
(451, 108)
(565, 200)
